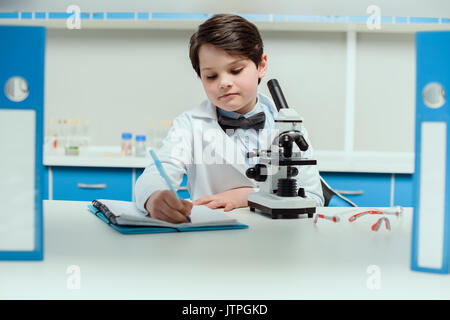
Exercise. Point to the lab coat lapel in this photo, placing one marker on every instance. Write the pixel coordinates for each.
(219, 144)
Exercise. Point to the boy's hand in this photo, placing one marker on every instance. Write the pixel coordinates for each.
(231, 199)
(164, 205)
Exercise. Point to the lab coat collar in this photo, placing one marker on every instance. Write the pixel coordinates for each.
(205, 110)
(208, 110)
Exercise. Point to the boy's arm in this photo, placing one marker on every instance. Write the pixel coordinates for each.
(151, 181)
(175, 155)
(229, 200)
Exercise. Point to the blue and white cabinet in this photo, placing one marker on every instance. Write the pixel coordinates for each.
(82, 183)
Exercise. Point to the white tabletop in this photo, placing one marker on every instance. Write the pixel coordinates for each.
(273, 259)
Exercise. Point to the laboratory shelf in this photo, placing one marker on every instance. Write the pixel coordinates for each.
(190, 21)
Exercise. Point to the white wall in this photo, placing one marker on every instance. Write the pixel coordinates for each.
(419, 8)
(385, 93)
(310, 67)
(121, 80)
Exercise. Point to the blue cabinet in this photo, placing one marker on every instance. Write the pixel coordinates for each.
(86, 183)
(45, 195)
(403, 190)
(379, 189)
(376, 187)
(89, 183)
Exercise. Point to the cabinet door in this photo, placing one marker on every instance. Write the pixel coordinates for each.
(87, 184)
(375, 187)
(45, 177)
(403, 193)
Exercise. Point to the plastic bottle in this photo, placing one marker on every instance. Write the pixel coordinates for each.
(53, 134)
(141, 149)
(72, 145)
(85, 134)
(126, 144)
(152, 134)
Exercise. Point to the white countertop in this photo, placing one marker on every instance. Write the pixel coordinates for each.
(98, 161)
(96, 156)
(273, 259)
(327, 161)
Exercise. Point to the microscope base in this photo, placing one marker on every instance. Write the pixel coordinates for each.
(281, 213)
(278, 207)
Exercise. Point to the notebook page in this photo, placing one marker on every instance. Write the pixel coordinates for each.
(202, 215)
(128, 214)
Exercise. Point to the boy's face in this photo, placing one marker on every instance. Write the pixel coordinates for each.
(230, 81)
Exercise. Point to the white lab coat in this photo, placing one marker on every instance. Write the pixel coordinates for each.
(197, 146)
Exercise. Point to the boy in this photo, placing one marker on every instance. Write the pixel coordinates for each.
(227, 54)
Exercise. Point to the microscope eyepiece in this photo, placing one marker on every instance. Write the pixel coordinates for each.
(300, 141)
(277, 94)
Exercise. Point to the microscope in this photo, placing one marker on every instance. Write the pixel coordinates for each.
(278, 195)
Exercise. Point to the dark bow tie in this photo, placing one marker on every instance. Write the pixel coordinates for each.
(254, 122)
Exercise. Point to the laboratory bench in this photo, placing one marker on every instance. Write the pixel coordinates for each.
(287, 259)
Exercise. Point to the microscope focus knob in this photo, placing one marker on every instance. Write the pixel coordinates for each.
(291, 172)
(257, 173)
(301, 192)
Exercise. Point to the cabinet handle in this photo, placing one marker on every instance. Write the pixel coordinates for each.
(349, 192)
(91, 186)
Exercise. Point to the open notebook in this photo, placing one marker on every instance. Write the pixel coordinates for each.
(126, 218)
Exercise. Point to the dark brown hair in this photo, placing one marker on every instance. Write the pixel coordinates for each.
(232, 33)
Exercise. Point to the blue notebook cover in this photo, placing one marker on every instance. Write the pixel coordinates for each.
(145, 229)
(22, 56)
(431, 180)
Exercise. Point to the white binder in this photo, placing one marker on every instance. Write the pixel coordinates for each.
(431, 221)
(21, 142)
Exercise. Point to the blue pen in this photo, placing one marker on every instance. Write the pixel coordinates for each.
(163, 174)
